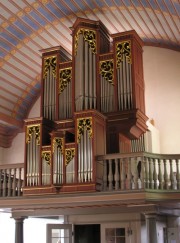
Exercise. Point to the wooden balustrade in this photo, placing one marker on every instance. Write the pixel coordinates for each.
(140, 171)
(11, 180)
(125, 171)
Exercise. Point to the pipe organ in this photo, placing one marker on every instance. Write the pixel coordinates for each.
(89, 102)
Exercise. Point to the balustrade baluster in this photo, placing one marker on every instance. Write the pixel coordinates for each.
(122, 174)
(0, 182)
(116, 176)
(142, 173)
(14, 183)
(9, 182)
(172, 181)
(166, 179)
(155, 175)
(129, 174)
(4, 183)
(110, 176)
(178, 173)
(19, 182)
(160, 175)
(146, 173)
(105, 176)
(135, 176)
(151, 181)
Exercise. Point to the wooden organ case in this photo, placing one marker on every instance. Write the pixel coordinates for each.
(89, 102)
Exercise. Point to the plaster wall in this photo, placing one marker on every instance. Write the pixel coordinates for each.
(162, 95)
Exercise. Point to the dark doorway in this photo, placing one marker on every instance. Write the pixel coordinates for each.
(87, 233)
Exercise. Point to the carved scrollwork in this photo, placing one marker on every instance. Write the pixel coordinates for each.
(107, 70)
(50, 62)
(33, 129)
(84, 123)
(46, 155)
(65, 76)
(89, 36)
(123, 49)
(59, 143)
(69, 155)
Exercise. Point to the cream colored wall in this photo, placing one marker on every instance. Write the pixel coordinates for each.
(162, 97)
(15, 154)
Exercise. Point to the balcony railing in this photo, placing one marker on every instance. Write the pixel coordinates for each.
(127, 171)
(11, 180)
(140, 171)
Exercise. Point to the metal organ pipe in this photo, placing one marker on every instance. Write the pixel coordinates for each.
(124, 76)
(85, 73)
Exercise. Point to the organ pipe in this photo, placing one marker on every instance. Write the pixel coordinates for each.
(65, 87)
(107, 85)
(124, 76)
(49, 77)
(46, 167)
(58, 161)
(33, 150)
(70, 165)
(85, 72)
(84, 138)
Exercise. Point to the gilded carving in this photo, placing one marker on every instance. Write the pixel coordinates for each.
(33, 129)
(89, 36)
(49, 63)
(123, 49)
(46, 155)
(84, 123)
(107, 70)
(69, 155)
(65, 76)
(59, 143)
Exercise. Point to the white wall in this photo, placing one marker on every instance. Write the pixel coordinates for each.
(18, 144)
(15, 154)
(162, 95)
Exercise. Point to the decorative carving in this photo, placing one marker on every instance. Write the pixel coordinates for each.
(89, 36)
(60, 144)
(83, 123)
(33, 129)
(50, 62)
(65, 76)
(46, 155)
(123, 49)
(107, 70)
(69, 155)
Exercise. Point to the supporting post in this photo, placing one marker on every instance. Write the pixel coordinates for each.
(19, 238)
(151, 228)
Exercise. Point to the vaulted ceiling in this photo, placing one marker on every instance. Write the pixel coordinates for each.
(27, 26)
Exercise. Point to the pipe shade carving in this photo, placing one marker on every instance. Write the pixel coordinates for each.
(69, 155)
(50, 65)
(65, 76)
(82, 124)
(123, 49)
(89, 36)
(107, 70)
(34, 129)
